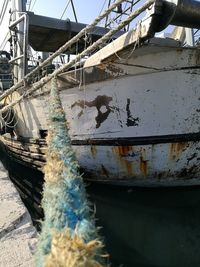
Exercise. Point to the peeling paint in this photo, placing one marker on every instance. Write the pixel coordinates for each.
(99, 102)
(187, 173)
(130, 120)
(193, 156)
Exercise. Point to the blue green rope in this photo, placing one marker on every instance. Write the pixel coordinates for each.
(64, 201)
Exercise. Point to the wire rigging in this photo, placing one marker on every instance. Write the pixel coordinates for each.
(63, 48)
(29, 5)
(65, 9)
(3, 11)
(73, 9)
(33, 5)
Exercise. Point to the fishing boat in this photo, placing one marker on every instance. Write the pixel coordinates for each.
(131, 99)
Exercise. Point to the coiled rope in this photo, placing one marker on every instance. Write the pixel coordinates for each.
(69, 237)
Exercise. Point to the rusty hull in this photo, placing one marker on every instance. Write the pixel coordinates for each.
(139, 165)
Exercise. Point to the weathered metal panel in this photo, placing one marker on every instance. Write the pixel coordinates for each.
(146, 105)
(160, 164)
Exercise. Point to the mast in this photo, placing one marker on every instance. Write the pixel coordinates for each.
(19, 29)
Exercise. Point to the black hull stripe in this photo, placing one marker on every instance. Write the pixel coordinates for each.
(120, 141)
(136, 141)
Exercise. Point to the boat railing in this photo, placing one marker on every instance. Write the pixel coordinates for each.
(23, 56)
(26, 79)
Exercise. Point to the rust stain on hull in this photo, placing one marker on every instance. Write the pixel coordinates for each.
(143, 166)
(129, 168)
(176, 149)
(121, 152)
(93, 151)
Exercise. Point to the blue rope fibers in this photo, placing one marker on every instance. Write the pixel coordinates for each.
(67, 207)
(64, 202)
(69, 159)
(71, 202)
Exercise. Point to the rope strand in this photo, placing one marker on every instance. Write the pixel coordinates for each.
(62, 49)
(90, 49)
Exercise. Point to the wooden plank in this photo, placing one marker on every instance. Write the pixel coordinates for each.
(28, 154)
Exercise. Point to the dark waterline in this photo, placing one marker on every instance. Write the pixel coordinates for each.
(142, 227)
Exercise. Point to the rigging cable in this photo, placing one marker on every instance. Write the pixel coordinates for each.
(69, 43)
(2, 14)
(29, 5)
(33, 5)
(65, 9)
(3, 10)
(74, 11)
(103, 7)
(4, 42)
(73, 8)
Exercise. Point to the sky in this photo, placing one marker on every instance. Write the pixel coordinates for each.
(86, 10)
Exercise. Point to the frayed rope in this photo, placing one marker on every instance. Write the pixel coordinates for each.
(69, 237)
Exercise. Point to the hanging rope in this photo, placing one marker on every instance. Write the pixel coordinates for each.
(8, 121)
(69, 237)
(87, 51)
(61, 50)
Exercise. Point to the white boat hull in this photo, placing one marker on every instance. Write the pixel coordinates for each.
(138, 124)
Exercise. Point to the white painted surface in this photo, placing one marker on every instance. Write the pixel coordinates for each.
(157, 89)
(17, 234)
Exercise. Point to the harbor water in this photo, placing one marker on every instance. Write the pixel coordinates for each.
(142, 227)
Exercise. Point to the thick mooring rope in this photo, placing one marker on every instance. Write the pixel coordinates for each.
(69, 237)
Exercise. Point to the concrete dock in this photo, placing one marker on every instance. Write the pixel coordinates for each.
(17, 233)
